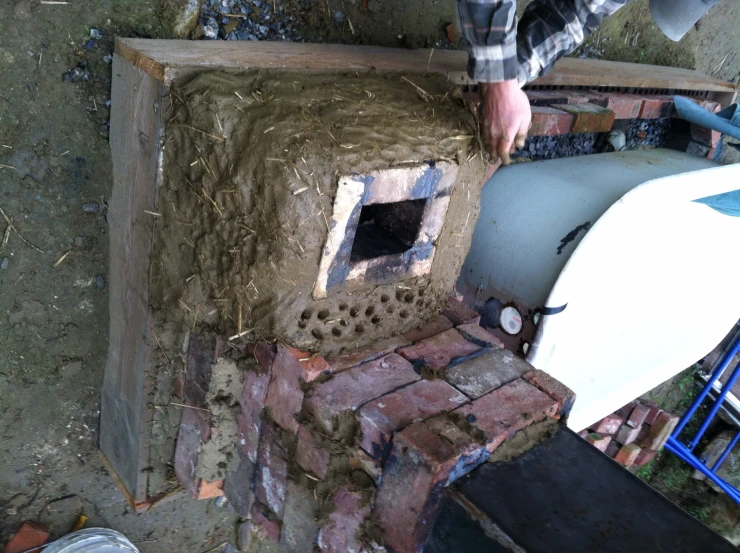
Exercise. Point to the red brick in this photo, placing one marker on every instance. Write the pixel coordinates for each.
(627, 455)
(712, 154)
(451, 32)
(544, 98)
(272, 470)
(480, 336)
(625, 410)
(354, 387)
(194, 428)
(583, 434)
(652, 414)
(642, 434)
(638, 415)
(438, 351)
(341, 531)
(438, 324)
(382, 417)
(263, 525)
(598, 441)
(369, 353)
(359, 460)
(705, 137)
(547, 121)
(709, 105)
(657, 107)
(29, 535)
(252, 403)
(589, 118)
(624, 106)
(627, 434)
(553, 388)
(425, 457)
(660, 431)
(459, 313)
(312, 365)
(609, 425)
(612, 449)
(644, 457)
(484, 373)
(310, 455)
(264, 354)
(503, 412)
(209, 489)
(284, 394)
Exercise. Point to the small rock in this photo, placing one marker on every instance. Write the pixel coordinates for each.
(79, 241)
(90, 44)
(91, 207)
(97, 35)
(99, 282)
(75, 74)
(209, 32)
(107, 58)
(70, 369)
(339, 17)
(4, 263)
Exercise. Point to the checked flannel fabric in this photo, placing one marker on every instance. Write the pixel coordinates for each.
(501, 49)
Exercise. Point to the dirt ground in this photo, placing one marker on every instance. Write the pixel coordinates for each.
(55, 178)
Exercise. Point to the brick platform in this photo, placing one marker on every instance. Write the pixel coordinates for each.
(413, 414)
(633, 434)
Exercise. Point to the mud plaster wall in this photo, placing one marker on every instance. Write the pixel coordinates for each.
(243, 217)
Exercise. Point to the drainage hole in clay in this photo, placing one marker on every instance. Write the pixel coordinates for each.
(399, 295)
(408, 298)
(317, 334)
(369, 311)
(343, 322)
(354, 312)
(404, 314)
(306, 314)
(384, 298)
(375, 320)
(301, 324)
(421, 291)
(391, 308)
(323, 314)
(360, 329)
(343, 306)
(336, 332)
(420, 302)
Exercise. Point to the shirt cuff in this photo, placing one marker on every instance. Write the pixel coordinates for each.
(493, 64)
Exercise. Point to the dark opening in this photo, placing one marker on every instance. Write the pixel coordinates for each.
(387, 229)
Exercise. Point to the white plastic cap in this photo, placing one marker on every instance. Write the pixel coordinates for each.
(511, 320)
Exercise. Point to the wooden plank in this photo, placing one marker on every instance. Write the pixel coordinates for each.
(135, 131)
(166, 59)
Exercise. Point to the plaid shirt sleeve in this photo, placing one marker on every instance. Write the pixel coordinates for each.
(499, 50)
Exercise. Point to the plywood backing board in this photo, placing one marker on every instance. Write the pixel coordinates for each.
(167, 59)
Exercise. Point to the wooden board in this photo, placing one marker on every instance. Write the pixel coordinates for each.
(167, 59)
(135, 131)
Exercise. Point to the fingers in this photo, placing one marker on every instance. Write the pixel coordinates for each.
(504, 148)
(521, 134)
(520, 140)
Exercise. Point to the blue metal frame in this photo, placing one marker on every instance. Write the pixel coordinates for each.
(685, 451)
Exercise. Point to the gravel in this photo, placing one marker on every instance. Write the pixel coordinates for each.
(91, 207)
(552, 147)
(4, 263)
(255, 20)
(647, 132)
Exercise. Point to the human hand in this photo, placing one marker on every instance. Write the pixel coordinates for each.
(506, 118)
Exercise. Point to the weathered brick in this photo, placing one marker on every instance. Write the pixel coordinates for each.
(312, 365)
(612, 449)
(598, 441)
(503, 412)
(369, 353)
(480, 336)
(272, 470)
(652, 414)
(544, 98)
(660, 431)
(589, 118)
(208, 489)
(263, 525)
(244, 535)
(644, 457)
(354, 387)
(656, 107)
(310, 455)
(638, 415)
(625, 410)
(486, 372)
(627, 455)
(459, 314)
(553, 388)
(705, 137)
(299, 520)
(696, 149)
(359, 460)
(548, 121)
(340, 532)
(238, 485)
(609, 425)
(438, 324)
(439, 351)
(284, 394)
(252, 403)
(626, 434)
(194, 428)
(28, 536)
(624, 106)
(264, 354)
(425, 457)
(382, 417)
